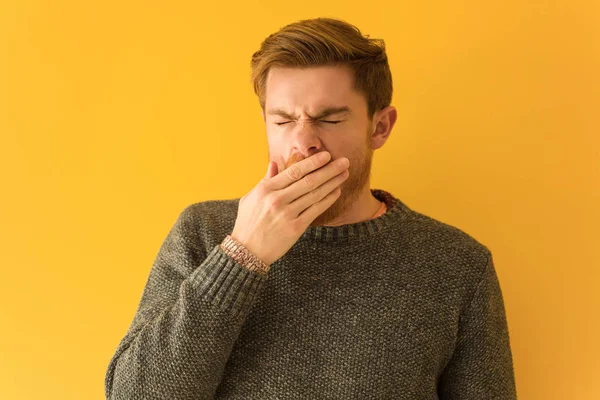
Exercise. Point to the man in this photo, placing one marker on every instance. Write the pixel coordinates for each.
(313, 285)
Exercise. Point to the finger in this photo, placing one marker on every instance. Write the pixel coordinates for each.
(310, 184)
(303, 202)
(312, 212)
(271, 170)
(297, 171)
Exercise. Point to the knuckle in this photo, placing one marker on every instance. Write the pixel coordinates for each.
(308, 181)
(264, 190)
(294, 173)
(263, 185)
(274, 202)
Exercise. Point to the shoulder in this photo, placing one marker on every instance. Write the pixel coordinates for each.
(207, 222)
(449, 248)
(208, 210)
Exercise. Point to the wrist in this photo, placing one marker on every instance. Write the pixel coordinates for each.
(243, 256)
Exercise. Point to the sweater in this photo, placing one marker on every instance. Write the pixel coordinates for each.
(247, 259)
(381, 210)
(401, 306)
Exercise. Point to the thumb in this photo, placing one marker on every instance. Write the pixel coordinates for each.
(268, 174)
(271, 170)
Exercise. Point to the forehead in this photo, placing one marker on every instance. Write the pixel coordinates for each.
(311, 88)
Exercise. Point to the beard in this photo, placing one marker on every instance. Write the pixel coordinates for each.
(351, 189)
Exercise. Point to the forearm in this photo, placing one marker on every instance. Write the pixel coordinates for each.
(180, 351)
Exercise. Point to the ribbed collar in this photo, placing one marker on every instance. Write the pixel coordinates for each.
(396, 211)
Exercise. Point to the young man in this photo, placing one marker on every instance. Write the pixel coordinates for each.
(313, 285)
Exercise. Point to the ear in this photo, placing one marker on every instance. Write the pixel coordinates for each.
(384, 122)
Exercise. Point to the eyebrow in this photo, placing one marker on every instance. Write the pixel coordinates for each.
(323, 113)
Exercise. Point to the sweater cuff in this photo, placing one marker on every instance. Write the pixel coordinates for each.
(226, 283)
(243, 256)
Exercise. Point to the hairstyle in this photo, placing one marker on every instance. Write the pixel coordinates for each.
(327, 41)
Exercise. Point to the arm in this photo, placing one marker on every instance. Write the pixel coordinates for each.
(189, 317)
(481, 366)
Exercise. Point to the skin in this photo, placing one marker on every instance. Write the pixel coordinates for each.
(302, 93)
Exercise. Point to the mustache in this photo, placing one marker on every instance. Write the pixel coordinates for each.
(294, 158)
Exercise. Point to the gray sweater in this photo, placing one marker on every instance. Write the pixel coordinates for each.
(401, 306)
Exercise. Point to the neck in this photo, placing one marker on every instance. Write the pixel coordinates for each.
(362, 209)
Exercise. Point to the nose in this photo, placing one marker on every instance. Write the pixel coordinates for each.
(305, 140)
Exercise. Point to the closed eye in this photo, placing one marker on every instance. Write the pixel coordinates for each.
(328, 122)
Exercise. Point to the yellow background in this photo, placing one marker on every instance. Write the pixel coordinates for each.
(116, 115)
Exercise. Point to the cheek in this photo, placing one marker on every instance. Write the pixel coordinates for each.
(357, 160)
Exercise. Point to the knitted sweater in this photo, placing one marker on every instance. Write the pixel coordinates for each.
(401, 306)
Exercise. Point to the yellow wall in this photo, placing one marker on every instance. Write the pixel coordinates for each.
(116, 115)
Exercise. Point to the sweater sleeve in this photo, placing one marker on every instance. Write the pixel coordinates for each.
(481, 366)
(190, 315)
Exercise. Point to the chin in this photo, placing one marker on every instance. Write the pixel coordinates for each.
(331, 213)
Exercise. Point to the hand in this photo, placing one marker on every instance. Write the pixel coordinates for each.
(276, 212)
